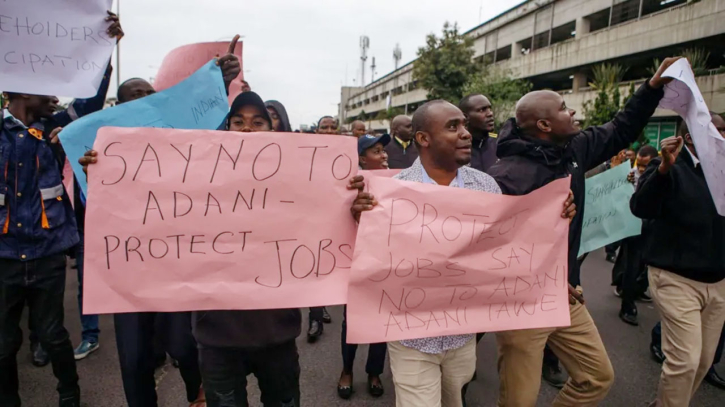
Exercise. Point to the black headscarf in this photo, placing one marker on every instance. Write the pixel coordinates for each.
(282, 113)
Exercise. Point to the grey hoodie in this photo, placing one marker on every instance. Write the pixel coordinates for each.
(282, 113)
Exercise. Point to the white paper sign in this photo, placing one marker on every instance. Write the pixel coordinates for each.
(683, 96)
(54, 47)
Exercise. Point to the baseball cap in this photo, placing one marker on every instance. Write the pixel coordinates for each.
(247, 99)
(368, 140)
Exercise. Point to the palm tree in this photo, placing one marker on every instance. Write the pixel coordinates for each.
(698, 61)
(607, 76)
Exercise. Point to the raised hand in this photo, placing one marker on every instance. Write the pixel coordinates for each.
(658, 81)
(229, 63)
(671, 147)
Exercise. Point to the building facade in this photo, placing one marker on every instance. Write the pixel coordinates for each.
(555, 44)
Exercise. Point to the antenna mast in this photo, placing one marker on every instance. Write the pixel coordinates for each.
(364, 45)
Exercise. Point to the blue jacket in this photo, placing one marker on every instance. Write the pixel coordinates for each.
(36, 216)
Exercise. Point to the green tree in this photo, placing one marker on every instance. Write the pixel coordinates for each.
(501, 89)
(609, 99)
(445, 64)
(698, 61)
(362, 116)
(389, 114)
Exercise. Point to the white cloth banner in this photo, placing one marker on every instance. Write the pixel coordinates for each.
(683, 96)
(54, 47)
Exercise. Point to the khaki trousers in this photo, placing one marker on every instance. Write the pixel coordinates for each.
(580, 350)
(427, 380)
(692, 318)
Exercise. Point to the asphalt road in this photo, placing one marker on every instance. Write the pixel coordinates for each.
(635, 383)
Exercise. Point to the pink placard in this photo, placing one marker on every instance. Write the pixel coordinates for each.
(183, 220)
(183, 61)
(432, 260)
(389, 173)
(68, 181)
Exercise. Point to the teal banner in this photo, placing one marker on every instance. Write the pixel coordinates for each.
(607, 217)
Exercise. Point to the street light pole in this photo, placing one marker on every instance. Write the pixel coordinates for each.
(118, 49)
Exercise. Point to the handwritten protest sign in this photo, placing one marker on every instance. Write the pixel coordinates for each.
(684, 97)
(183, 220)
(432, 260)
(607, 217)
(199, 102)
(55, 47)
(183, 61)
(380, 173)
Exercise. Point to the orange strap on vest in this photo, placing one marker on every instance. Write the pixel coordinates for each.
(7, 222)
(7, 217)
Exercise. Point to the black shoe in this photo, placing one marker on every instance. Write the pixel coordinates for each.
(315, 331)
(553, 375)
(159, 360)
(70, 401)
(611, 258)
(644, 297)
(628, 314)
(375, 390)
(714, 379)
(326, 318)
(39, 355)
(617, 291)
(657, 354)
(345, 392)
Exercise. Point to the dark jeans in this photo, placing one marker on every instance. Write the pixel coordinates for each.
(135, 340)
(277, 369)
(316, 314)
(376, 353)
(657, 341)
(629, 272)
(89, 323)
(41, 284)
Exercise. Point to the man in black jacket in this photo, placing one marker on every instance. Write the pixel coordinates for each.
(542, 144)
(684, 250)
(479, 113)
(401, 150)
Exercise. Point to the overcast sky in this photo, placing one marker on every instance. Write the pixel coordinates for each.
(298, 52)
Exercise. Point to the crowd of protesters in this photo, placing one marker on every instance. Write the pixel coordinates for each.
(678, 261)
